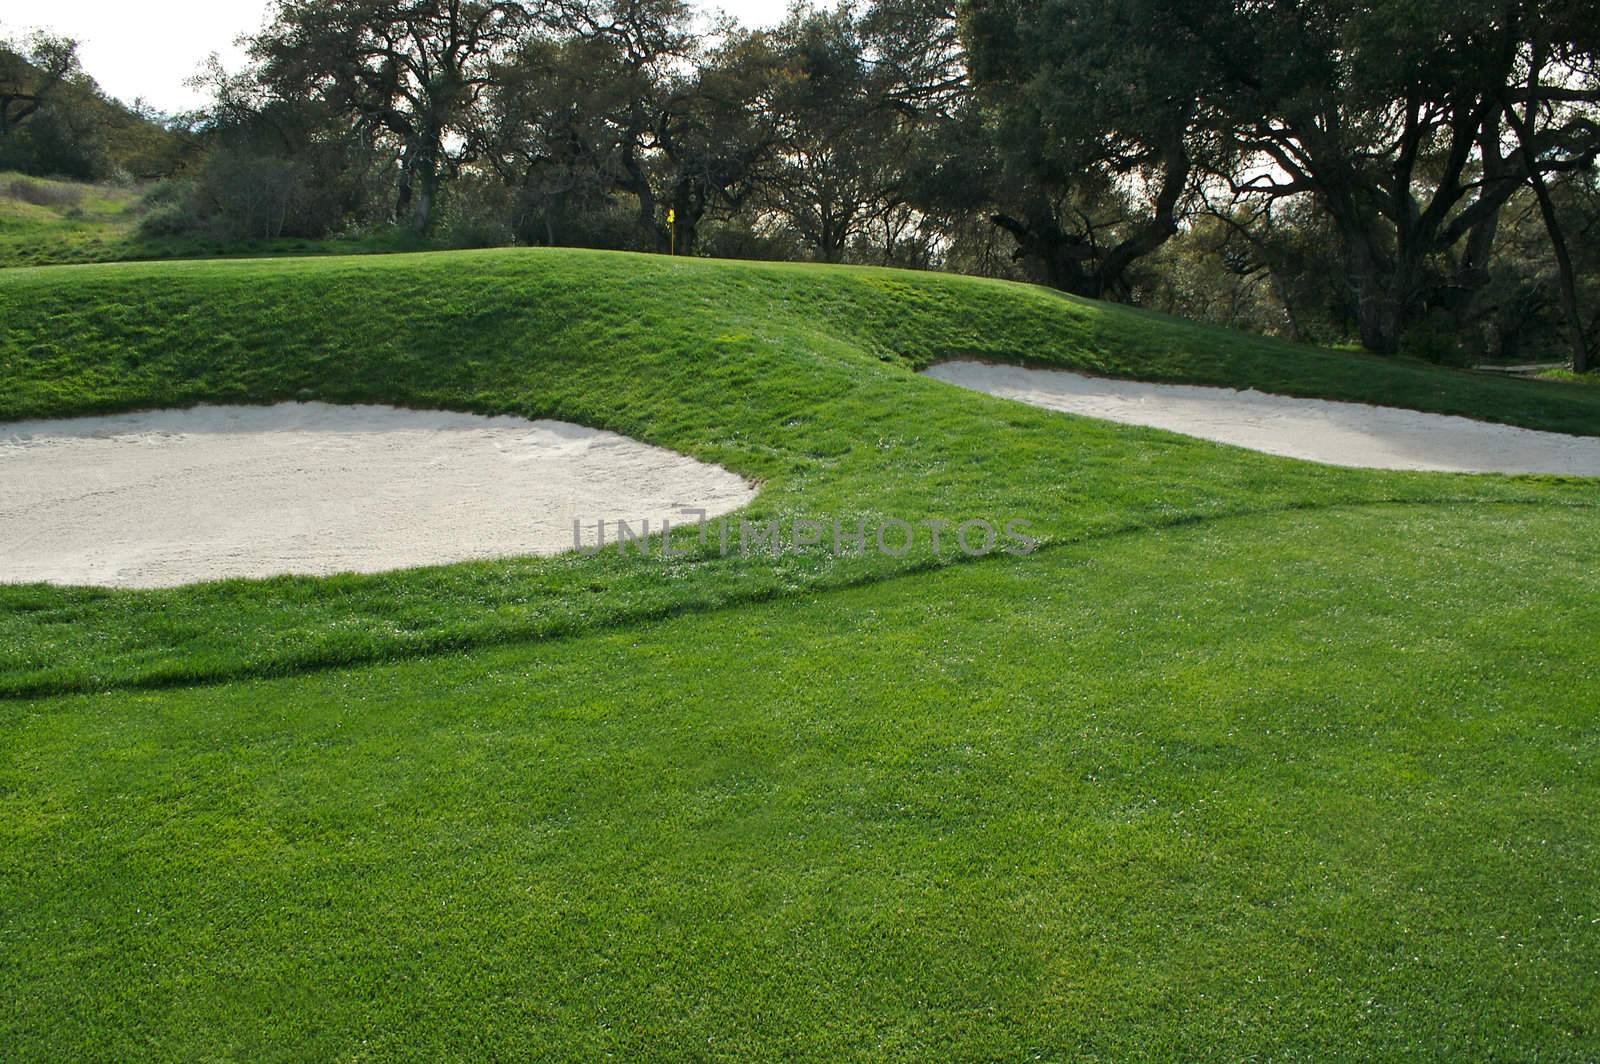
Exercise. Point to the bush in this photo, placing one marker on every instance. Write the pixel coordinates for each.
(237, 195)
(176, 218)
(478, 231)
(579, 222)
(477, 216)
(255, 196)
(165, 192)
(737, 238)
(1435, 339)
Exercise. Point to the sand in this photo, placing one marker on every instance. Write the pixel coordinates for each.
(1317, 430)
(173, 497)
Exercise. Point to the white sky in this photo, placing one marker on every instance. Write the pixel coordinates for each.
(149, 50)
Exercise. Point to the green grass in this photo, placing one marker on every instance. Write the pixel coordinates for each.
(50, 223)
(1142, 798)
(45, 222)
(1566, 376)
(1254, 758)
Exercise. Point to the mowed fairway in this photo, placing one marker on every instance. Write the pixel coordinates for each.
(1254, 758)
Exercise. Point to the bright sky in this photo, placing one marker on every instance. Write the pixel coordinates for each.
(149, 50)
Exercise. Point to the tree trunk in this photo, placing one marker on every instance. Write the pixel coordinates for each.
(638, 183)
(689, 207)
(422, 213)
(828, 245)
(1569, 286)
(1558, 244)
(649, 229)
(1377, 318)
(1050, 256)
(1382, 293)
(402, 199)
(1281, 290)
(425, 166)
(1162, 226)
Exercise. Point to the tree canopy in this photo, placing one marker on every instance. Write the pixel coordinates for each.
(1413, 174)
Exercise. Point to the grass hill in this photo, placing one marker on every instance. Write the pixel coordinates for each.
(779, 372)
(45, 222)
(1254, 757)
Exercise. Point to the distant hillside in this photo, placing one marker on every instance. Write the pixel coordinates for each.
(56, 122)
(46, 222)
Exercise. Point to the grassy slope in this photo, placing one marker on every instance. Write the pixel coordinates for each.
(830, 417)
(84, 223)
(1566, 376)
(1142, 799)
(73, 223)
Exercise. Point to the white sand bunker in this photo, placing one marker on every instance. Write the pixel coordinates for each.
(177, 496)
(1345, 434)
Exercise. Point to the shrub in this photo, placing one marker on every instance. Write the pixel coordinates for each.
(739, 239)
(175, 218)
(237, 195)
(579, 222)
(254, 196)
(477, 216)
(165, 192)
(1434, 339)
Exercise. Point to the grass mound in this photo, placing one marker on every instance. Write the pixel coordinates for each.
(46, 222)
(799, 377)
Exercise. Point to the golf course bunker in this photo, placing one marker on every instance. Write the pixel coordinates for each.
(173, 497)
(1317, 430)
